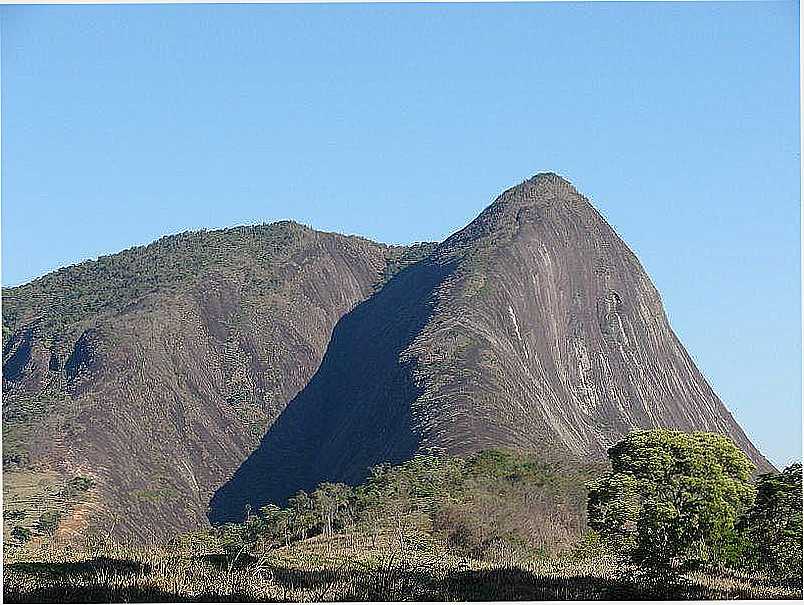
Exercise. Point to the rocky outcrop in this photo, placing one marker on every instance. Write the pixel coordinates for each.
(161, 399)
(215, 370)
(534, 327)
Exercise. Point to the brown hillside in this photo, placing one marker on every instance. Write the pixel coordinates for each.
(159, 393)
(534, 327)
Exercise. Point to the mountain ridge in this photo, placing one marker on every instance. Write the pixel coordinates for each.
(212, 370)
(430, 365)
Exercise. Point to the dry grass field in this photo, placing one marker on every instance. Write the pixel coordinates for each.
(356, 567)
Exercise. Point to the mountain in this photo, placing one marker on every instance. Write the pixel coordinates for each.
(154, 372)
(218, 370)
(534, 327)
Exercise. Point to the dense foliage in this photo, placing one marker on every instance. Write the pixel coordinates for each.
(491, 500)
(771, 530)
(671, 498)
(676, 500)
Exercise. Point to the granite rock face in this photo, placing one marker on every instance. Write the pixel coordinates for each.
(549, 334)
(293, 357)
(533, 327)
(159, 396)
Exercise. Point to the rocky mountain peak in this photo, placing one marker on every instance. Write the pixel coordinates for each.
(213, 370)
(544, 198)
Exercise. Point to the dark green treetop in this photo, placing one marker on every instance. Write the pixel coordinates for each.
(672, 498)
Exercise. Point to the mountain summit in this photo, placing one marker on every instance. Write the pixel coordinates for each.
(534, 327)
(218, 370)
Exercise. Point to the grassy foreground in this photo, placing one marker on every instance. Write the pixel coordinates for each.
(348, 568)
(497, 525)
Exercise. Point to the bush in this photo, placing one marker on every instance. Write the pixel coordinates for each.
(48, 522)
(77, 485)
(461, 530)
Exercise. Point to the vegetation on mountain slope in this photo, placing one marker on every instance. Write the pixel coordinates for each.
(111, 283)
(476, 504)
(172, 263)
(498, 525)
(155, 371)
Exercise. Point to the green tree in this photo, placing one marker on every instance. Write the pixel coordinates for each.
(331, 503)
(302, 514)
(277, 525)
(239, 540)
(771, 529)
(672, 498)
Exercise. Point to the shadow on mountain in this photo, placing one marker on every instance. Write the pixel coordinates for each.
(355, 411)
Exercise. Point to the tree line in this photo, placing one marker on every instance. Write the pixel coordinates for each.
(670, 502)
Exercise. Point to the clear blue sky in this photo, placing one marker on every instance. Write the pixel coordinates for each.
(402, 122)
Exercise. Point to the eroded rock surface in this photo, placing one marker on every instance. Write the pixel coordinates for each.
(534, 327)
(214, 370)
(163, 393)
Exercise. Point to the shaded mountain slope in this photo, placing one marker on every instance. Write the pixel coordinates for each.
(156, 371)
(534, 327)
(355, 412)
(214, 370)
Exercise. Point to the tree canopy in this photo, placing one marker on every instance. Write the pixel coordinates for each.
(672, 498)
(772, 527)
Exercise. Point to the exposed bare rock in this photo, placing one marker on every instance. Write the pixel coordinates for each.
(533, 327)
(214, 370)
(159, 395)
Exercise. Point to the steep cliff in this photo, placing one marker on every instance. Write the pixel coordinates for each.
(533, 327)
(155, 372)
